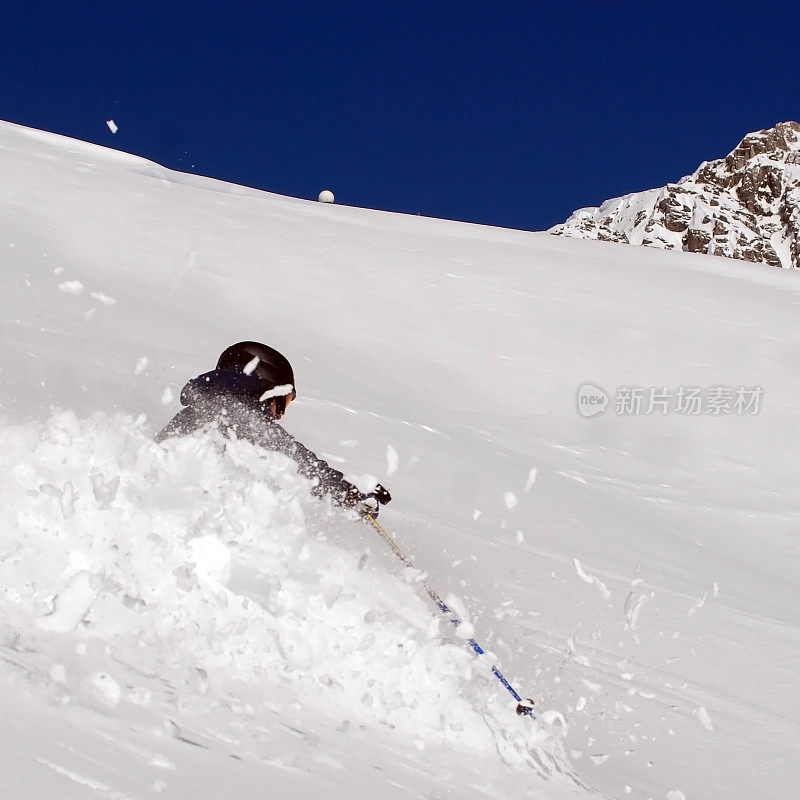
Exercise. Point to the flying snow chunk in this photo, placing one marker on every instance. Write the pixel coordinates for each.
(531, 479)
(112, 126)
(586, 578)
(250, 366)
(392, 460)
(704, 718)
(103, 298)
(326, 196)
(141, 365)
(104, 689)
(511, 500)
(71, 287)
(166, 396)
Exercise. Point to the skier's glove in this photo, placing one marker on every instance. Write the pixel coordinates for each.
(381, 494)
(369, 504)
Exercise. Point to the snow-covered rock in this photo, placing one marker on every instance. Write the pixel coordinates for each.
(746, 205)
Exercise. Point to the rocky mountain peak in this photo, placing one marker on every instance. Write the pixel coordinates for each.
(783, 138)
(746, 205)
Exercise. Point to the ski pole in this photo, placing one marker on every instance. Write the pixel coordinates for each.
(522, 709)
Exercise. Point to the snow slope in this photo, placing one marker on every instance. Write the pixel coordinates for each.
(187, 622)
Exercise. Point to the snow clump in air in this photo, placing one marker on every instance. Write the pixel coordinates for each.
(71, 287)
(392, 460)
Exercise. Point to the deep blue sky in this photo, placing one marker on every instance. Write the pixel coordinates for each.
(510, 114)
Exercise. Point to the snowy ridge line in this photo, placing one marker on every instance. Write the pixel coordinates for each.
(138, 165)
(209, 560)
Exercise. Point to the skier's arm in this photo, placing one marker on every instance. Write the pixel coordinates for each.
(327, 480)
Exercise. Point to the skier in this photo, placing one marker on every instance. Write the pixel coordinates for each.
(245, 396)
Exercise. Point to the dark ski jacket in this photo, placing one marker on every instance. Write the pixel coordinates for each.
(228, 399)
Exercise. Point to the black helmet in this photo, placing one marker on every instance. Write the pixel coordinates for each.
(271, 368)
